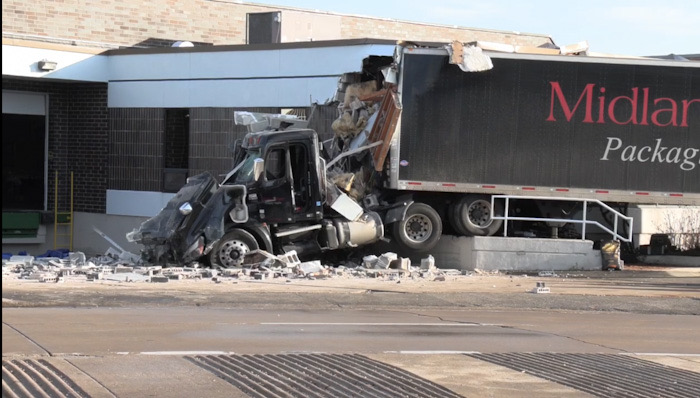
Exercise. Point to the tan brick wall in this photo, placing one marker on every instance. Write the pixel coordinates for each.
(135, 22)
(355, 27)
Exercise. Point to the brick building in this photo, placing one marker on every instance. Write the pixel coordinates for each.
(106, 90)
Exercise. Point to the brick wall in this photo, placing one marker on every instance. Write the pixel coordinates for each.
(137, 144)
(78, 122)
(356, 27)
(177, 143)
(136, 149)
(161, 22)
(212, 134)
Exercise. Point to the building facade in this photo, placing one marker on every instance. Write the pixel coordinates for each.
(109, 105)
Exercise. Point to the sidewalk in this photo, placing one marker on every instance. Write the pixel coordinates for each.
(645, 288)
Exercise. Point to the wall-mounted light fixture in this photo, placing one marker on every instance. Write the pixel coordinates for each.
(47, 65)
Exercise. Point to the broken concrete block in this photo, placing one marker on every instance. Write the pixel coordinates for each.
(290, 258)
(402, 263)
(23, 260)
(369, 261)
(428, 263)
(159, 279)
(76, 258)
(310, 267)
(123, 270)
(385, 260)
(210, 273)
(234, 271)
(540, 288)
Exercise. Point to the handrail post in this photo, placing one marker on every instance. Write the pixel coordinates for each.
(505, 213)
(615, 226)
(585, 220)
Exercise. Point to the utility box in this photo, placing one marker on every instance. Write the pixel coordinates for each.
(20, 225)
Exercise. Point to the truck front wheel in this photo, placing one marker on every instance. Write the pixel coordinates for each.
(473, 213)
(420, 230)
(230, 250)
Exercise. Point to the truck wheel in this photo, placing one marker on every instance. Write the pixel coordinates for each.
(454, 219)
(230, 250)
(420, 230)
(474, 215)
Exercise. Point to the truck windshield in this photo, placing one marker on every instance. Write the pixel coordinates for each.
(243, 172)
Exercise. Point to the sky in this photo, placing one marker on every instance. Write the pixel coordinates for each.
(626, 27)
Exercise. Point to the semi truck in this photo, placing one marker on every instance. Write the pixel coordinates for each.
(431, 141)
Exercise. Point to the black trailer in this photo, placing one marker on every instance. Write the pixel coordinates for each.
(621, 130)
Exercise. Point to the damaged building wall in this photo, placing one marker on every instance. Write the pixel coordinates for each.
(138, 141)
(212, 133)
(322, 118)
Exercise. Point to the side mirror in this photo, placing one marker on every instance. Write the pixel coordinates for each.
(258, 169)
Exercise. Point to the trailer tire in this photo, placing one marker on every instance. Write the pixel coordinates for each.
(230, 250)
(420, 229)
(453, 219)
(473, 214)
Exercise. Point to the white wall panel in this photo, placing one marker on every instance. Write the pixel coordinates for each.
(222, 93)
(136, 203)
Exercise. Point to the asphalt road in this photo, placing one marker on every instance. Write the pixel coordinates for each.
(621, 333)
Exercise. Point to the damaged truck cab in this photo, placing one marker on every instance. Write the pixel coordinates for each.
(276, 199)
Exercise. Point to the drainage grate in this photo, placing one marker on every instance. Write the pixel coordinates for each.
(36, 378)
(603, 375)
(317, 375)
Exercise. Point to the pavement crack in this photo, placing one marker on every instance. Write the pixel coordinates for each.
(91, 377)
(49, 353)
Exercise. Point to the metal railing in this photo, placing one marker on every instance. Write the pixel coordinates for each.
(584, 221)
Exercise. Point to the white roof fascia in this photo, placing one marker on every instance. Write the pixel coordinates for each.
(19, 61)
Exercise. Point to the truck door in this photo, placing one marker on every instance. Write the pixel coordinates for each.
(286, 192)
(301, 181)
(276, 189)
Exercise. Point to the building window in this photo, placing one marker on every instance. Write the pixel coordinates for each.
(264, 27)
(176, 151)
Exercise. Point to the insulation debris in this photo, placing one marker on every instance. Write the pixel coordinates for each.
(469, 58)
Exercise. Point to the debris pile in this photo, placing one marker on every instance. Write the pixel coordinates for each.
(258, 265)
